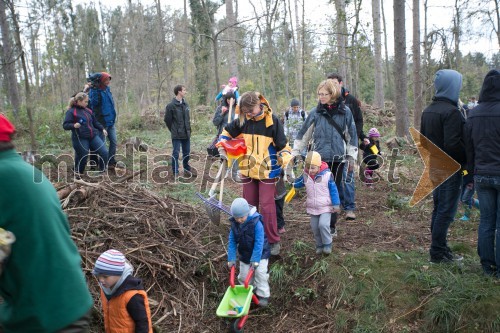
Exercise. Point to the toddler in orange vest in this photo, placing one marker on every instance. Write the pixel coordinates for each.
(124, 300)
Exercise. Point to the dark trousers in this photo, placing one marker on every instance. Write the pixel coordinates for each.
(82, 325)
(280, 203)
(177, 144)
(337, 169)
(82, 146)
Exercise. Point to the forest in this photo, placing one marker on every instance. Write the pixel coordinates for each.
(378, 278)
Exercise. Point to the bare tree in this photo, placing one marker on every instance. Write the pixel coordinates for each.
(417, 78)
(342, 37)
(400, 69)
(232, 52)
(377, 39)
(387, 69)
(9, 61)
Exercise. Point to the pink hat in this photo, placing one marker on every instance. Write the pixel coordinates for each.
(234, 80)
(373, 133)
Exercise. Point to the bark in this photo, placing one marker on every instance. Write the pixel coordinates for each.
(379, 78)
(232, 52)
(388, 73)
(417, 78)
(298, 53)
(185, 24)
(497, 14)
(341, 37)
(400, 79)
(9, 61)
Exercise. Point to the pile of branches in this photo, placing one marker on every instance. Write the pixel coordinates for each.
(161, 237)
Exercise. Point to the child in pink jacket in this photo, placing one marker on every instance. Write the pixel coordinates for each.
(322, 199)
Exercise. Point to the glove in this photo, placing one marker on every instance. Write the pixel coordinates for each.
(255, 264)
(231, 263)
(222, 153)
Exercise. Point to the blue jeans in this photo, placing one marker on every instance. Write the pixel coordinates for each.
(112, 143)
(446, 197)
(488, 191)
(347, 191)
(177, 144)
(82, 147)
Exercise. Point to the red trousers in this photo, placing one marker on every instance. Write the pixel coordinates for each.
(260, 193)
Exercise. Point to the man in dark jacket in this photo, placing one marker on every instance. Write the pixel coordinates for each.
(483, 157)
(442, 123)
(178, 123)
(347, 192)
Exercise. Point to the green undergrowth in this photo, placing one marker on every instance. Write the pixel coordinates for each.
(386, 291)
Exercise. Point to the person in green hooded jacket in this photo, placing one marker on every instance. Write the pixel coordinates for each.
(42, 286)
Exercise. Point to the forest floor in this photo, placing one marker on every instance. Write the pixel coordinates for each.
(377, 279)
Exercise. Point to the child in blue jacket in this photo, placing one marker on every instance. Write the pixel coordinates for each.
(248, 238)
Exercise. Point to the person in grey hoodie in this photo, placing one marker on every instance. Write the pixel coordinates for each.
(443, 123)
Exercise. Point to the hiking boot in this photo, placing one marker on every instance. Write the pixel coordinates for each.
(319, 249)
(350, 216)
(275, 249)
(281, 230)
(263, 301)
(447, 258)
(327, 249)
(333, 231)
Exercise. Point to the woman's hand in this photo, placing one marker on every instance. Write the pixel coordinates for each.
(105, 132)
(77, 125)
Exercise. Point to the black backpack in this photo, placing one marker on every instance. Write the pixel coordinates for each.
(94, 79)
(302, 113)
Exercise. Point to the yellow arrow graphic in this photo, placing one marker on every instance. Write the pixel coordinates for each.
(439, 166)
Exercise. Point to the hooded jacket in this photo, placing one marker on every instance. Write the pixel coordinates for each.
(102, 104)
(89, 128)
(442, 122)
(177, 119)
(267, 146)
(483, 128)
(127, 310)
(353, 104)
(249, 239)
(327, 141)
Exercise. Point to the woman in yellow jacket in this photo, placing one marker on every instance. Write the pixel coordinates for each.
(267, 152)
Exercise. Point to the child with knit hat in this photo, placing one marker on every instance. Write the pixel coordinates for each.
(248, 239)
(371, 151)
(322, 199)
(231, 87)
(124, 301)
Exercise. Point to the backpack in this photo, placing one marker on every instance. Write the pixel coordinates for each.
(94, 79)
(302, 114)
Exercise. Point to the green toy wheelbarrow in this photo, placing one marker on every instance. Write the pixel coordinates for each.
(236, 301)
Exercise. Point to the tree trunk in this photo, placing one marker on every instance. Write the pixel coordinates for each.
(19, 45)
(379, 78)
(341, 37)
(400, 69)
(457, 33)
(233, 46)
(185, 42)
(388, 73)
(298, 54)
(9, 62)
(417, 78)
(497, 14)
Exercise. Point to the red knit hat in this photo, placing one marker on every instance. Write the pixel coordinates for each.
(6, 129)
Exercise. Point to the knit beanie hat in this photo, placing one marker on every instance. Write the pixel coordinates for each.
(294, 102)
(373, 133)
(240, 207)
(313, 158)
(6, 129)
(234, 80)
(105, 76)
(111, 262)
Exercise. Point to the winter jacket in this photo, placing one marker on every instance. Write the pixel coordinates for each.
(102, 104)
(127, 310)
(322, 193)
(249, 239)
(327, 141)
(220, 120)
(267, 147)
(226, 90)
(483, 129)
(442, 122)
(353, 104)
(42, 285)
(89, 128)
(293, 123)
(369, 157)
(177, 119)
